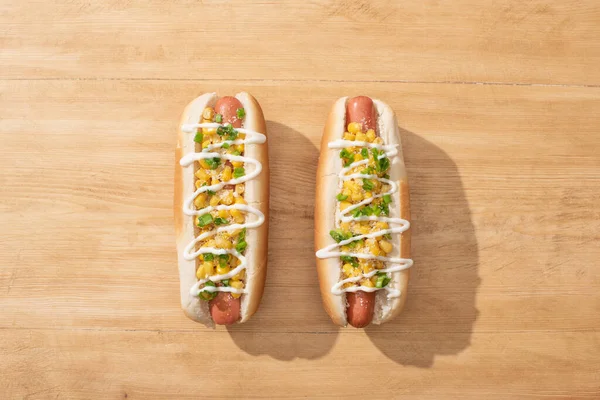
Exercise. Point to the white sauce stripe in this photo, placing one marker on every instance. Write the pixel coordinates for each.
(397, 264)
(188, 209)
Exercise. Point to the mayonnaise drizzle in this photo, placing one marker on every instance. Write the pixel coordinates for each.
(396, 263)
(189, 253)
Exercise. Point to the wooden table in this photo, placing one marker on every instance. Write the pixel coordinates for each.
(499, 105)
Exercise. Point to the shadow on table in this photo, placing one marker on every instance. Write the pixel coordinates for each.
(290, 322)
(440, 311)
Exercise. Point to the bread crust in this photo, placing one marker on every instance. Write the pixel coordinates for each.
(329, 269)
(256, 194)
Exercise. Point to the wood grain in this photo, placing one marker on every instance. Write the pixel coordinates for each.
(504, 298)
(536, 41)
(503, 184)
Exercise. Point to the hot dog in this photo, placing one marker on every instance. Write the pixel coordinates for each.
(221, 208)
(363, 246)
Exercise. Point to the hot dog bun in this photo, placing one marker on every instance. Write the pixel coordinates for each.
(330, 164)
(256, 194)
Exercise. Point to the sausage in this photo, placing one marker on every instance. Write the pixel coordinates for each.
(224, 309)
(361, 305)
(227, 106)
(361, 109)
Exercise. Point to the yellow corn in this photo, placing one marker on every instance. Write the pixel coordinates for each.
(349, 136)
(381, 225)
(373, 247)
(227, 199)
(202, 175)
(205, 269)
(361, 137)
(368, 195)
(226, 174)
(240, 200)
(345, 226)
(367, 267)
(385, 246)
(344, 205)
(354, 127)
(348, 269)
(206, 143)
(367, 283)
(198, 184)
(214, 180)
(200, 200)
(240, 276)
(223, 243)
(378, 140)
(223, 269)
(239, 188)
(236, 285)
(365, 229)
(237, 164)
(358, 157)
(223, 214)
(240, 148)
(356, 197)
(208, 113)
(204, 164)
(214, 200)
(370, 135)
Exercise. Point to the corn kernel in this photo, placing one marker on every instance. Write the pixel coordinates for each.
(361, 137)
(226, 173)
(223, 243)
(385, 246)
(371, 135)
(208, 113)
(356, 197)
(205, 144)
(367, 267)
(378, 140)
(358, 157)
(240, 148)
(240, 276)
(214, 180)
(202, 175)
(236, 285)
(198, 184)
(348, 269)
(204, 164)
(344, 205)
(223, 214)
(240, 200)
(368, 195)
(354, 127)
(381, 225)
(237, 164)
(205, 269)
(239, 188)
(365, 229)
(227, 199)
(349, 136)
(366, 283)
(214, 200)
(200, 200)
(223, 269)
(345, 226)
(239, 219)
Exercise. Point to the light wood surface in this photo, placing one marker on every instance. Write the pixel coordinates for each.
(499, 105)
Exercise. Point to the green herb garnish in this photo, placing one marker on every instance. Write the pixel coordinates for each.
(241, 113)
(241, 246)
(388, 236)
(205, 295)
(236, 153)
(228, 131)
(238, 172)
(368, 185)
(225, 282)
(220, 221)
(341, 197)
(199, 138)
(204, 220)
(351, 260)
(383, 164)
(364, 152)
(213, 163)
(338, 235)
(367, 171)
(387, 199)
(382, 280)
(208, 256)
(225, 145)
(386, 176)
(223, 259)
(218, 118)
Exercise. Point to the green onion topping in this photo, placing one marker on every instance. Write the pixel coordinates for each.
(238, 172)
(204, 220)
(241, 113)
